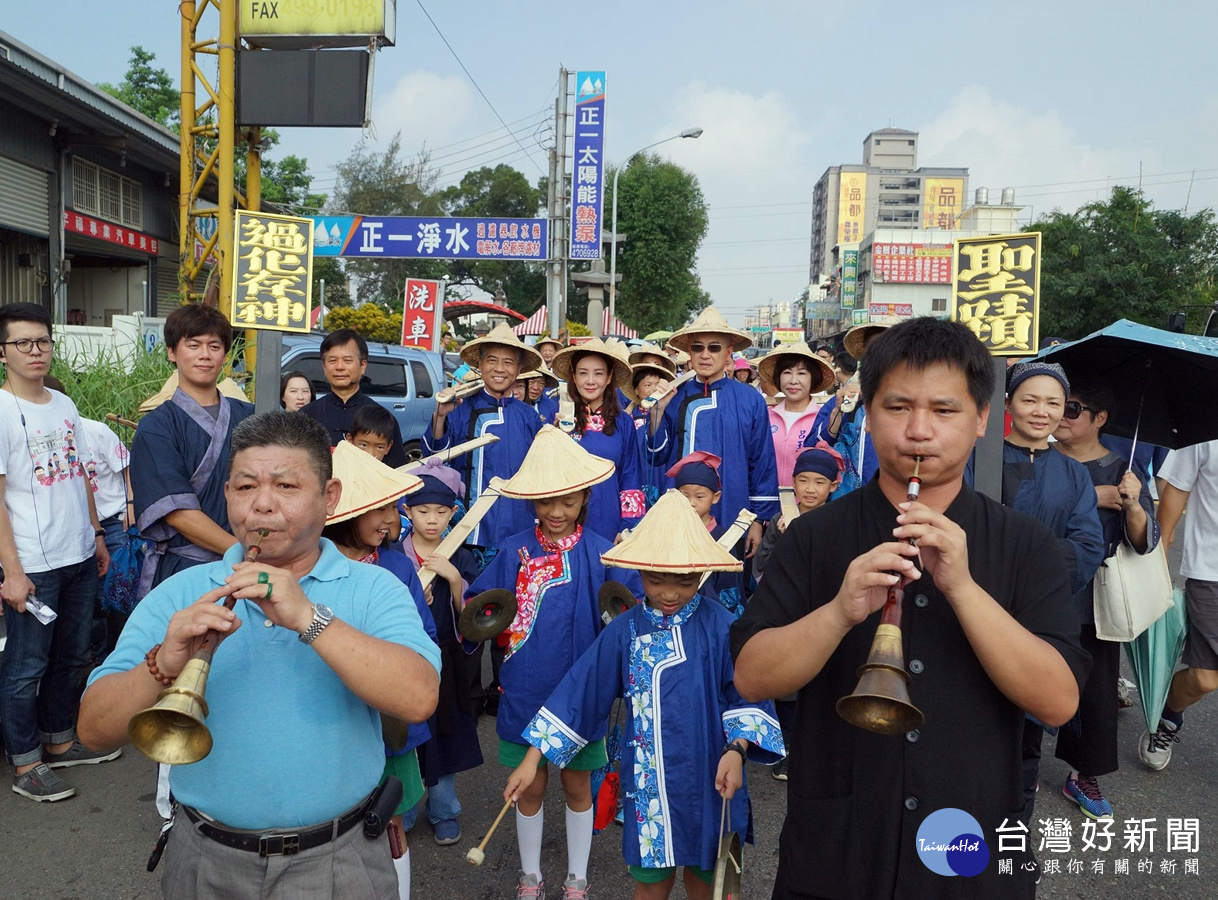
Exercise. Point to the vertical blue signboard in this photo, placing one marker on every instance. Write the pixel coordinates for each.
(588, 177)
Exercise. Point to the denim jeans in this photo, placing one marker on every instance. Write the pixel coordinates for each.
(441, 803)
(43, 672)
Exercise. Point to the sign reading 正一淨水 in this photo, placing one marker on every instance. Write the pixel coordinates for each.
(430, 237)
(588, 177)
(272, 272)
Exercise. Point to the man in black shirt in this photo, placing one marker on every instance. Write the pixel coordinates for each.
(989, 633)
(344, 358)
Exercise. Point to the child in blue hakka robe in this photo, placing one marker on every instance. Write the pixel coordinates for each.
(669, 659)
(555, 570)
(697, 478)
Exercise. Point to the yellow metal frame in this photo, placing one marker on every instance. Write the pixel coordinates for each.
(211, 122)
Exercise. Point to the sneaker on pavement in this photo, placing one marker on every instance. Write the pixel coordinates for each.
(1155, 749)
(1085, 791)
(78, 755)
(779, 771)
(41, 784)
(448, 831)
(575, 889)
(530, 888)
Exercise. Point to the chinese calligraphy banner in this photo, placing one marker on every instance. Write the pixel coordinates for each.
(422, 314)
(588, 179)
(942, 201)
(851, 207)
(996, 291)
(272, 272)
(430, 237)
(912, 263)
(850, 277)
(79, 223)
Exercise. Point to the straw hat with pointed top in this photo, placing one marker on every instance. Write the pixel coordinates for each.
(554, 466)
(710, 322)
(857, 337)
(550, 378)
(227, 387)
(367, 482)
(502, 335)
(647, 369)
(548, 340)
(671, 538)
(678, 356)
(822, 374)
(614, 352)
(637, 354)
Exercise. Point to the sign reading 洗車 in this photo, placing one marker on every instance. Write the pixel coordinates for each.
(422, 310)
(588, 178)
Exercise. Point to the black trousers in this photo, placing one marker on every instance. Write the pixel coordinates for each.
(1088, 742)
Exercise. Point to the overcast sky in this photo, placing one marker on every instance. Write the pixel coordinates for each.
(1058, 100)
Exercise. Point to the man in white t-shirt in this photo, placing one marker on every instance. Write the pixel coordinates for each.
(108, 473)
(1190, 475)
(52, 551)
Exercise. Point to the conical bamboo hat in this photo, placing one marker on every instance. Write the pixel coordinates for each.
(671, 538)
(503, 335)
(638, 352)
(709, 321)
(857, 337)
(650, 369)
(614, 353)
(550, 378)
(822, 374)
(556, 465)
(367, 482)
(227, 387)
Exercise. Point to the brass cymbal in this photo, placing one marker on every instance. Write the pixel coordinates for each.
(614, 598)
(487, 614)
(728, 868)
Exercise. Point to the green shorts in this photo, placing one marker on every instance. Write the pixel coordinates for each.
(591, 758)
(655, 876)
(406, 769)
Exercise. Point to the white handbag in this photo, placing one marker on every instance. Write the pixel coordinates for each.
(1130, 592)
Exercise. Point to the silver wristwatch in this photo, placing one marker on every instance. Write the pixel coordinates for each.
(322, 616)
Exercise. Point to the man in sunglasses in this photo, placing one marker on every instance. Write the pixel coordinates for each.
(717, 414)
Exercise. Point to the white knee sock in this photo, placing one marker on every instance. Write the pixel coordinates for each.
(402, 866)
(579, 841)
(528, 839)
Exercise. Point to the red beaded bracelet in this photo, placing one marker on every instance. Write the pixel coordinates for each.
(150, 658)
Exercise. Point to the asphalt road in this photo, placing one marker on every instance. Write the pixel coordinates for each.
(95, 845)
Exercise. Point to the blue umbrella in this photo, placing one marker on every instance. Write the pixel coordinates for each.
(1164, 382)
(1153, 655)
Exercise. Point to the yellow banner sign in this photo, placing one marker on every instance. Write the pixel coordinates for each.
(942, 201)
(320, 17)
(851, 207)
(272, 272)
(996, 291)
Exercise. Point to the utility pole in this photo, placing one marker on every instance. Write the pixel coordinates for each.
(559, 225)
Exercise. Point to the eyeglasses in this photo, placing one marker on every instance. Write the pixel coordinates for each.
(25, 345)
(1074, 409)
(695, 349)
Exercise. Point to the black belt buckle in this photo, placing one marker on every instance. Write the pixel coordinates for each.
(279, 845)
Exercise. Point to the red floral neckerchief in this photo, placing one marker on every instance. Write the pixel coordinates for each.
(536, 574)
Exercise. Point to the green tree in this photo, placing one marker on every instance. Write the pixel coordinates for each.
(1122, 258)
(663, 214)
(148, 90)
(501, 191)
(371, 320)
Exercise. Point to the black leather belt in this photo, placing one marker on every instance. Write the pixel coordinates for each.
(279, 843)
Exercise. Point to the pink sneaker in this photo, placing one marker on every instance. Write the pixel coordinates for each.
(575, 889)
(530, 888)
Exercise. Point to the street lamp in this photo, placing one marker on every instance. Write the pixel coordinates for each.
(687, 133)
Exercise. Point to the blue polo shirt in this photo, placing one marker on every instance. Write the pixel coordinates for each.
(293, 745)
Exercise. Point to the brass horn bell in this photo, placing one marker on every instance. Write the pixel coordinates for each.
(613, 599)
(880, 701)
(172, 731)
(487, 614)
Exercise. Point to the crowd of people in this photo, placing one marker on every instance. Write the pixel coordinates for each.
(758, 517)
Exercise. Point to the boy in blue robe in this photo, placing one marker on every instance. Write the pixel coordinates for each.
(689, 727)
(556, 573)
(179, 456)
(500, 357)
(723, 416)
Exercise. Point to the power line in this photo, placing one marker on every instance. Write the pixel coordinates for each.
(473, 82)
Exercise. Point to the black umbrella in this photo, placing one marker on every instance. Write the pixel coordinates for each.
(1166, 384)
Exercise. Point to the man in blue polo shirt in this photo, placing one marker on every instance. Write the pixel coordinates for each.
(316, 648)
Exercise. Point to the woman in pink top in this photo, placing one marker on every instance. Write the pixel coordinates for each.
(799, 373)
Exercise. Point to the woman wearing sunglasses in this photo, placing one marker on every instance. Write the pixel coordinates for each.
(1126, 514)
(1056, 490)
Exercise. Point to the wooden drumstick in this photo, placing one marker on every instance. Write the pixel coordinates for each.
(476, 856)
